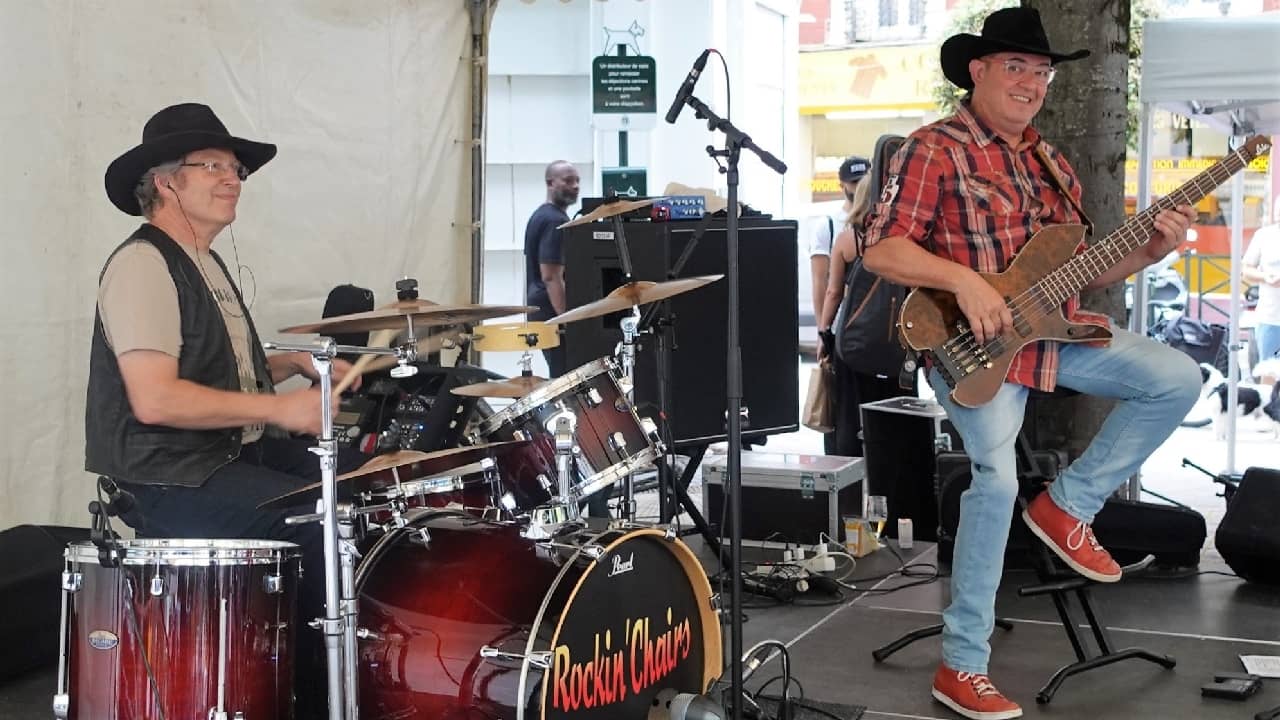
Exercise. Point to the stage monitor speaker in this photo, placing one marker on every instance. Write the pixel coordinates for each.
(31, 565)
(1248, 537)
(768, 332)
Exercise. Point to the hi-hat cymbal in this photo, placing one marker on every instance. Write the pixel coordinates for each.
(396, 316)
(407, 464)
(608, 210)
(500, 337)
(516, 387)
(632, 294)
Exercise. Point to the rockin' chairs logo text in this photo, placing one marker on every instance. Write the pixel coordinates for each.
(640, 661)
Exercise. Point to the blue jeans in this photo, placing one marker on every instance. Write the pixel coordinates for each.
(1268, 338)
(1155, 386)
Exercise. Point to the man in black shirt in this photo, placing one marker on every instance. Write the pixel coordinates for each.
(543, 256)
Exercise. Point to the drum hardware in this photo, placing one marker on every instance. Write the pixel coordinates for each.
(338, 624)
(537, 659)
(563, 425)
(219, 712)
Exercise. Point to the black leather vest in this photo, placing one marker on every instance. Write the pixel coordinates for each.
(116, 443)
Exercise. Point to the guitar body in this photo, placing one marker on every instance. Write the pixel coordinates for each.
(931, 321)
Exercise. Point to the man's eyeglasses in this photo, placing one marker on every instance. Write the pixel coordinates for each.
(1018, 70)
(217, 167)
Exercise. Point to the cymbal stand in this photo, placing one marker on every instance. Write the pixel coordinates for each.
(338, 623)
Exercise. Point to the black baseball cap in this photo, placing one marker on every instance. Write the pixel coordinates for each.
(853, 168)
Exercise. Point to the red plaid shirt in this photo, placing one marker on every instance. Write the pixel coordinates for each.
(956, 185)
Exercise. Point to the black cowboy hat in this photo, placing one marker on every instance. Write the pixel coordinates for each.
(1016, 29)
(167, 136)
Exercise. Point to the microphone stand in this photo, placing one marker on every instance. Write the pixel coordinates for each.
(735, 141)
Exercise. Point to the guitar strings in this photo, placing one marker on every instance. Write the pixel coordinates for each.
(964, 347)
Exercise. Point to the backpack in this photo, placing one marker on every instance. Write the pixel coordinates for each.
(866, 325)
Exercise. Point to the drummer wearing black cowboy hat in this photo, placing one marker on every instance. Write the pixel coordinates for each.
(181, 405)
(962, 197)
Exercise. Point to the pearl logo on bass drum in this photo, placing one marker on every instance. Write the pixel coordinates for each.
(620, 566)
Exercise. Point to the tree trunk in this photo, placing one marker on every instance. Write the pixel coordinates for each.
(1084, 117)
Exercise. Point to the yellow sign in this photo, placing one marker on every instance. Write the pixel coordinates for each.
(885, 78)
(1195, 164)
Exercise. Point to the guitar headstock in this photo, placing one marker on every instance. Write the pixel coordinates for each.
(1255, 146)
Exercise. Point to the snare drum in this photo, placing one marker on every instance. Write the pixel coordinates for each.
(477, 621)
(613, 441)
(178, 624)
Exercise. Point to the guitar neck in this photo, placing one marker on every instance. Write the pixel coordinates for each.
(1101, 256)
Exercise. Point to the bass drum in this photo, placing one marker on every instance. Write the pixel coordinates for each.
(471, 620)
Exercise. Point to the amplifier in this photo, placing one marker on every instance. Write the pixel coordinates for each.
(901, 437)
(697, 319)
(1248, 536)
(31, 567)
(786, 497)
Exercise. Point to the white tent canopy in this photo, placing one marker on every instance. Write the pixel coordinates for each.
(1224, 72)
(370, 104)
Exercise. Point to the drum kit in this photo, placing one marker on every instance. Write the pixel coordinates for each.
(462, 582)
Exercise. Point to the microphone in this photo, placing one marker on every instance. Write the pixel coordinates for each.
(686, 88)
(670, 705)
(121, 503)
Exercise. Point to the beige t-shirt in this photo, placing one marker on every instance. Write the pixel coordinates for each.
(138, 303)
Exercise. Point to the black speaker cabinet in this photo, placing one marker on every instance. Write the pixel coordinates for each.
(30, 594)
(900, 439)
(699, 320)
(1248, 536)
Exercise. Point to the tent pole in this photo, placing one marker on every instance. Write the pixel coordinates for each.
(479, 70)
(1233, 331)
(1138, 316)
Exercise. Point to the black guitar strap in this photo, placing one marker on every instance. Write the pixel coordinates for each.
(1061, 185)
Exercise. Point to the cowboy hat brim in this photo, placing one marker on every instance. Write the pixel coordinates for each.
(124, 172)
(958, 50)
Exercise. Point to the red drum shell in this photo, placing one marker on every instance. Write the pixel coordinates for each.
(635, 621)
(179, 629)
(600, 425)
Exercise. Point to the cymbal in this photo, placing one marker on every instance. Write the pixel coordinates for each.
(408, 464)
(500, 337)
(608, 210)
(634, 293)
(516, 387)
(395, 316)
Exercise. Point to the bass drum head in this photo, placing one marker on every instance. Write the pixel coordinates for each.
(638, 620)
(476, 621)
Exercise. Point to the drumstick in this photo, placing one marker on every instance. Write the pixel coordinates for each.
(379, 338)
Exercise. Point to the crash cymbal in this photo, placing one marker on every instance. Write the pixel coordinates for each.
(632, 294)
(395, 316)
(608, 210)
(514, 337)
(408, 464)
(516, 387)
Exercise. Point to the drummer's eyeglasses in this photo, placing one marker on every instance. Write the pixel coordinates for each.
(217, 167)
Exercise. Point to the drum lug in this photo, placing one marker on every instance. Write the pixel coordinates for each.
(72, 581)
(618, 441)
(592, 398)
(717, 604)
(367, 634)
(669, 533)
(273, 584)
(61, 706)
(593, 552)
(157, 586)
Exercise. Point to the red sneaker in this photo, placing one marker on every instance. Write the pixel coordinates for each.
(973, 696)
(1071, 539)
